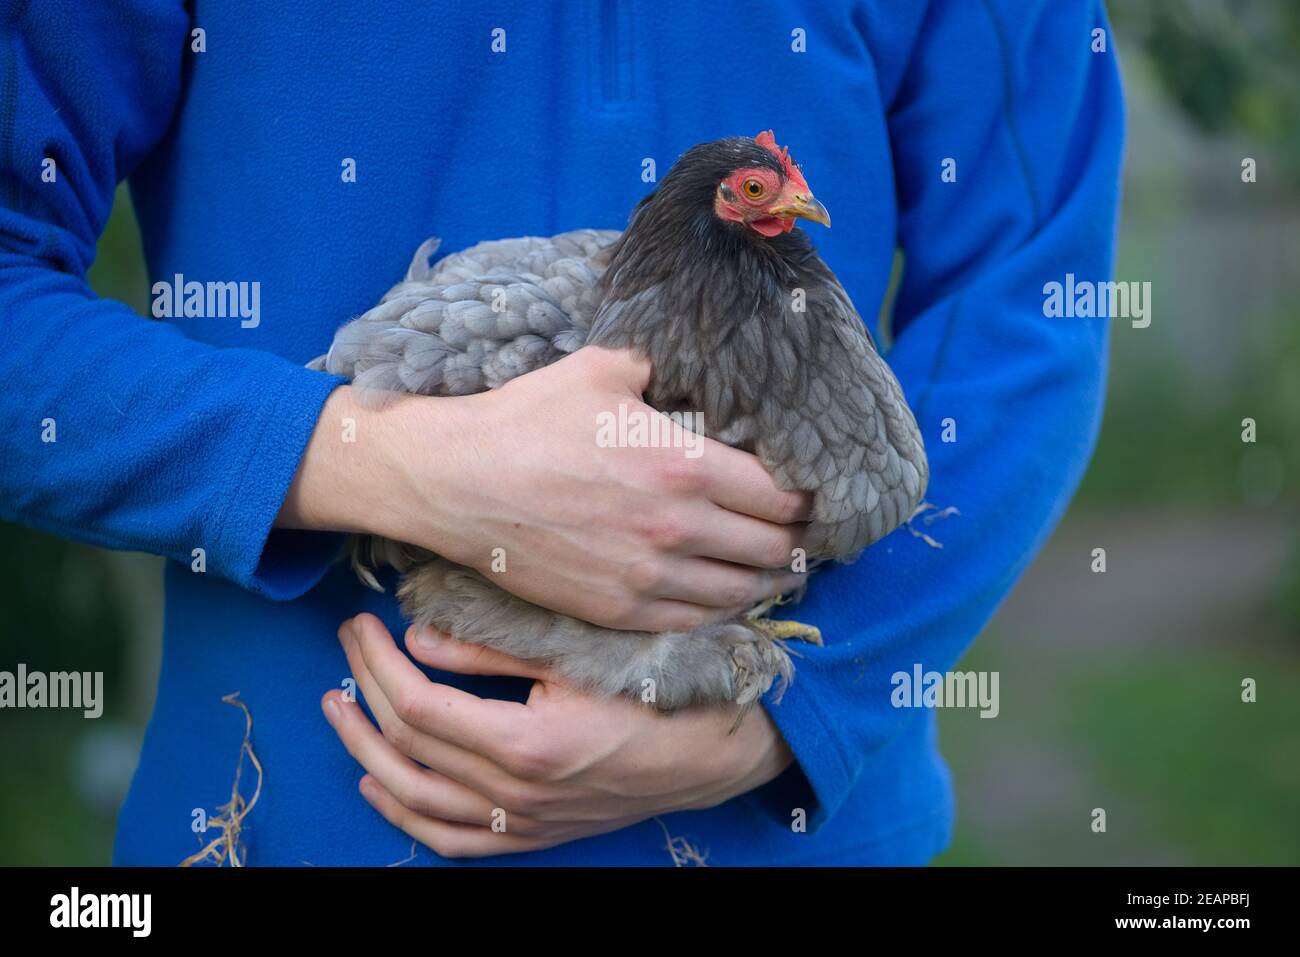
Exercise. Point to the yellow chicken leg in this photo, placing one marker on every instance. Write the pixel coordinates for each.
(778, 629)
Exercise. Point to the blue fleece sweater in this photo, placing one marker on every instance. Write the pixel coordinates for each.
(184, 432)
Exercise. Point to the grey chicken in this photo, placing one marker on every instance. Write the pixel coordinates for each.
(742, 323)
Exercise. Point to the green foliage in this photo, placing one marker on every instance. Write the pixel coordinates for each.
(1165, 440)
(1288, 591)
(63, 608)
(1229, 66)
(1159, 737)
(119, 270)
(44, 818)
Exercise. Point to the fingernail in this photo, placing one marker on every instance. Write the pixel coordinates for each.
(332, 711)
(427, 639)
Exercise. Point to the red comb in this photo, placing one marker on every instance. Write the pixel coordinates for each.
(767, 140)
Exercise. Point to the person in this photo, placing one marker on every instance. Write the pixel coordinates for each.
(289, 166)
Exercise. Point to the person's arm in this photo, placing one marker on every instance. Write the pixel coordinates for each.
(641, 539)
(1035, 121)
(121, 431)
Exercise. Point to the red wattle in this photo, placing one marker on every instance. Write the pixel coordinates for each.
(770, 226)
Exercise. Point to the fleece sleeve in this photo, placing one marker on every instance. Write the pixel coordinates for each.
(119, 430)
(1013, 93)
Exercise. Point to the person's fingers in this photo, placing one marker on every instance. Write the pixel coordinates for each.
(449, 839)
(738, 482)
(664, 614)
(744, 540)
(397, 731)
(474, 771)
(484, 726)
(437, 650)
(722, 585)
(417, 788)
(497, 779)
(374, 698)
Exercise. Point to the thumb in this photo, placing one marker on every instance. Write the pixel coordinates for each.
(438, 650)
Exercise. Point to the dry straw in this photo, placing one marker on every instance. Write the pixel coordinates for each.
(683, 853)
(229, 819)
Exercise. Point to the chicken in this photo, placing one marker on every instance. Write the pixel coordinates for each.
(742, 323)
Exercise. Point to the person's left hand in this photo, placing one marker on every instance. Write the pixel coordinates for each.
(564, 765)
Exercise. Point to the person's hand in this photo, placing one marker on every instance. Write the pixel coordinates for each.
(634, 538)
(449, 766)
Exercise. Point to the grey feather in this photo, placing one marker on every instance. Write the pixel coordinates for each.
(477, 319)
(711, 307)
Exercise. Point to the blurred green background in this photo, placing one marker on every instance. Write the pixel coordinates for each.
(1119, 690)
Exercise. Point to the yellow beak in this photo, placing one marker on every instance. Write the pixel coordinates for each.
(804, 206)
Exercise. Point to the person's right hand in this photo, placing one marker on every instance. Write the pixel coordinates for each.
(633, 538)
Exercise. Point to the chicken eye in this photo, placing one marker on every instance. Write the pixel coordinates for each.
(753, 188)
